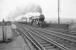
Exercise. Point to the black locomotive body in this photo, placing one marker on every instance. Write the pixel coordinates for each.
(38, 20)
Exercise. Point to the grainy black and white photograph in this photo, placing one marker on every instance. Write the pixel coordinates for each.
(37, 24)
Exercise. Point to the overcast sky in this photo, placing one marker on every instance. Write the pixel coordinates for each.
(67, 8)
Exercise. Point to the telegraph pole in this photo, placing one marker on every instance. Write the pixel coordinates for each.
(58, 11)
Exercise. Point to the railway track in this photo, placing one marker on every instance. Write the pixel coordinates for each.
(36, 46)
(63, 31)
(44, 42)
(58, 34)
(60, 31)
(65, 42)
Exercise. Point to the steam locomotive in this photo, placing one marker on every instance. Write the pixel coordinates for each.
(38, 20)
(34, 20)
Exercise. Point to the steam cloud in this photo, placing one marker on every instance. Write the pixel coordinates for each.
(24, 10)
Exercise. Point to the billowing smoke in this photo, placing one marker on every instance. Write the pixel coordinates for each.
(24, 10)
(33, 8)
